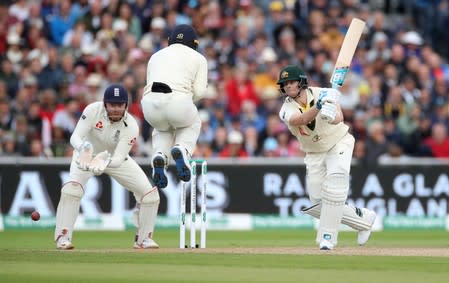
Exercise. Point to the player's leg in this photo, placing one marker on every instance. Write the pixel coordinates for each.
(187, 128)
(132, 177)
(68, 207)
(146, 219)
(359, 219)
(155, 110)
(334, 192)
(162, 142)
(185, 143)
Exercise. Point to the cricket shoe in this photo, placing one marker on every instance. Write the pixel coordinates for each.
(363, 236)
(147, 243)
(326, 245)
(179, 155)
(159, 171)
(63, 243)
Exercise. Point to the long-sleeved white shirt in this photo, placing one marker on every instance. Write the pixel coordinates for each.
(117, 138)
(318, 135)
(181, 68)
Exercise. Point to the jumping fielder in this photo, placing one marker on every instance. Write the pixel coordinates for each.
(102, 140)
(176, 78)
(328, 146)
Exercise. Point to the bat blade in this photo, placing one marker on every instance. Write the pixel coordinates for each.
(347, 51)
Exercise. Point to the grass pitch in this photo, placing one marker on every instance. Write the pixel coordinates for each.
(237, 256)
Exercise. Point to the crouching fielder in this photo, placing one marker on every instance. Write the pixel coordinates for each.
(314, 117)
(102, 140)
(176, 77)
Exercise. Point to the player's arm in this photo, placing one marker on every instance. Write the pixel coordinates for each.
(293, 117)
(200, 83)
(123, 148)
(82, 128)
(299, 119)
(339, 115)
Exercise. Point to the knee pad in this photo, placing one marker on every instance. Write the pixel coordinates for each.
(335, 189)
(150, 198)
(73, 189)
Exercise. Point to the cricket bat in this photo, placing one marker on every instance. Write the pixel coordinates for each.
(347, 51)
(344, 58)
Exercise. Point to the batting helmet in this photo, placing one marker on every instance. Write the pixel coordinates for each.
(292, 73)
(184, 34)
(115, 94)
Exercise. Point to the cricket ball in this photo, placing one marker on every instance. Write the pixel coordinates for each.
(35, 216)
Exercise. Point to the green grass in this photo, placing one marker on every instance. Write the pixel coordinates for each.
(30, 256)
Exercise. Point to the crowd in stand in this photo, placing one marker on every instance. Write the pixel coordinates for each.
(57, 56)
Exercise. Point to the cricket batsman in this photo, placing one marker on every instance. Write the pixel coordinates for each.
(176, 78)
(328, 146)
(102, 140)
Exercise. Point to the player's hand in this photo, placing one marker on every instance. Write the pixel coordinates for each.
(329, 112)
(100, 162)
(85, 153)
(333, 95)
(321, 98)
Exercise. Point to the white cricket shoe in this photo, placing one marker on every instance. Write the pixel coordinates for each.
(147, 243)
(326, 245)
(63, 243)
(363, 236)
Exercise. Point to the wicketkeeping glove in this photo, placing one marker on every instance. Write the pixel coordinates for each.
(100, 162)
(85, 152)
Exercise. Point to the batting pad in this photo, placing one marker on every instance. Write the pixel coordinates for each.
(149, 206)
(334, 193)
(352, 216)
(68, 208)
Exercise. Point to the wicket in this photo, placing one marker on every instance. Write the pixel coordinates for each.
(193, 188)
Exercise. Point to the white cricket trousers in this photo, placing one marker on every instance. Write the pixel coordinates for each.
(321, 164)
(129, 174)
(174, 118)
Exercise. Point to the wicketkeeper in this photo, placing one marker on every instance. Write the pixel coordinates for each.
(102, 140)
(314, 117)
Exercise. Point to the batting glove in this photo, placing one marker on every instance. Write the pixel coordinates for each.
(329, 112)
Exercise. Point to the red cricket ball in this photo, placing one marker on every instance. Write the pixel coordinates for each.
(35, 216)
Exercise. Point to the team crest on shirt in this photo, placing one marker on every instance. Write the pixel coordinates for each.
(99, 125)
(132, 141)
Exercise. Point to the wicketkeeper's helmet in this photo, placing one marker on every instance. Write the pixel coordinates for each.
(184, 34)
(292, 73)
(115, 93)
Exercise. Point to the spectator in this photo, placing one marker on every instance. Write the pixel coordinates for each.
(6, 116)
(8, 148)
(65, 118)
(270, 148)
(251, 146)
(238, 89)
(62, 22)
(439, 141)
(376, 143)
(234, 147)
